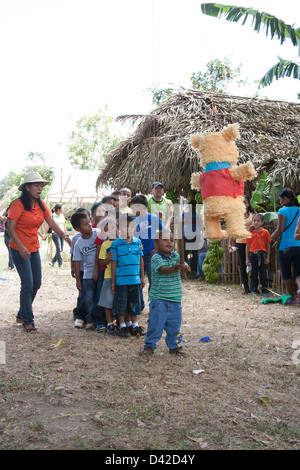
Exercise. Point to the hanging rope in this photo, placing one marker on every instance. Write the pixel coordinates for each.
(153, 80)
(154, 151)
(213, 109)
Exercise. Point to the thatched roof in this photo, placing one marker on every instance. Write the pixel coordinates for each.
(160, 150)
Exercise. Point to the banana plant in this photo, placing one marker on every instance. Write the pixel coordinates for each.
(265, 198)
(274, 27)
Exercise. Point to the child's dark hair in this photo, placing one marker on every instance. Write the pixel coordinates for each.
(26, 200)
(56, 208)
(286, 192)
(139, 199)
(77, 218)
(117, 193)
(107, 198)
(83, 209)
(258, 214)
(95, 205)
(250, 209)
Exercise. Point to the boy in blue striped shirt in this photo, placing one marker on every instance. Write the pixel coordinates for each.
(127, 276)
(165, 296)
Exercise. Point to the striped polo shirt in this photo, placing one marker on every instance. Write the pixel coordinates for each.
(128, 257)
(165, 286)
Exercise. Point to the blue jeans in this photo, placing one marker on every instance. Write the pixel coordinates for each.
(59, 245)
(164, 315)
(30, 273)
(79, 311)
(10, 261)
(201, 259)
(91, 292)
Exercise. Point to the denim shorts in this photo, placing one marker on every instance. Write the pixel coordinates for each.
(128, 298)
(287, 258)
(106, 297)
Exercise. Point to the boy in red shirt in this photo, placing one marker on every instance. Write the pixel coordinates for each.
(258, 255)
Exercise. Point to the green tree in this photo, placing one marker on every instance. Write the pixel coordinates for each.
(36, 157)
(14, 179)
(91, 140)
(160, 94)
(218, 75)
(273, 26)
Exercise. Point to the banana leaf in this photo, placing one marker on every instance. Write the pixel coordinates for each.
(266, 195)
(269, 216)
(258, 197)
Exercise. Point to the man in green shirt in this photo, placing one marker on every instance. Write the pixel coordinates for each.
(160, 206)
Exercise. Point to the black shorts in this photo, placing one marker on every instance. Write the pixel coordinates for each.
(287, 258)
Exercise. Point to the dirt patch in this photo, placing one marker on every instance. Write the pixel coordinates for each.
(92, 391)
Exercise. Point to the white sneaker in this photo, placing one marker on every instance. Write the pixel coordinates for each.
(78, 324)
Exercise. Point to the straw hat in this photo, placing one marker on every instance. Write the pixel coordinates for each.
(33, 178)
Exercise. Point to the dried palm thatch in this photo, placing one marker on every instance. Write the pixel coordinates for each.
(160, 147)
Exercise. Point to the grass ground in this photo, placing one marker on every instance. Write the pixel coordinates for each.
(72, 389)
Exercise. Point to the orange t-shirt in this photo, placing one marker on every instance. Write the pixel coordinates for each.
(259, 240)
(28, 223)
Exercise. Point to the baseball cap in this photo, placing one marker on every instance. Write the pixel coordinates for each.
(155, 184)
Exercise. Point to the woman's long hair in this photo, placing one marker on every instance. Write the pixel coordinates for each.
(290, 195)
(56, 208)
(26, 200)
(250, 209)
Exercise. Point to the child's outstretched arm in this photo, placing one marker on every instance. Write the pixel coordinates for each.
(170, 269)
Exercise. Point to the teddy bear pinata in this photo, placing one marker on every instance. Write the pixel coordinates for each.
(222, 183)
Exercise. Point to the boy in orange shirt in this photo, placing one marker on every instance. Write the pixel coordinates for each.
(258, 255)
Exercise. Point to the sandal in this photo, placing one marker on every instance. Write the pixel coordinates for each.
(290, 301)
(31, 329)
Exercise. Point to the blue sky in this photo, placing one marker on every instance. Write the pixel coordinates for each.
(61, 59)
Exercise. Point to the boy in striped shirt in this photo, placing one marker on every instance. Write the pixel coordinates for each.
(165, 296)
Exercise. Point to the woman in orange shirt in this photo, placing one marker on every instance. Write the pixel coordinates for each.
(26, 215)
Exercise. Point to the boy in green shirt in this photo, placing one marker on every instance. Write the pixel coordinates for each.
(165, 296)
